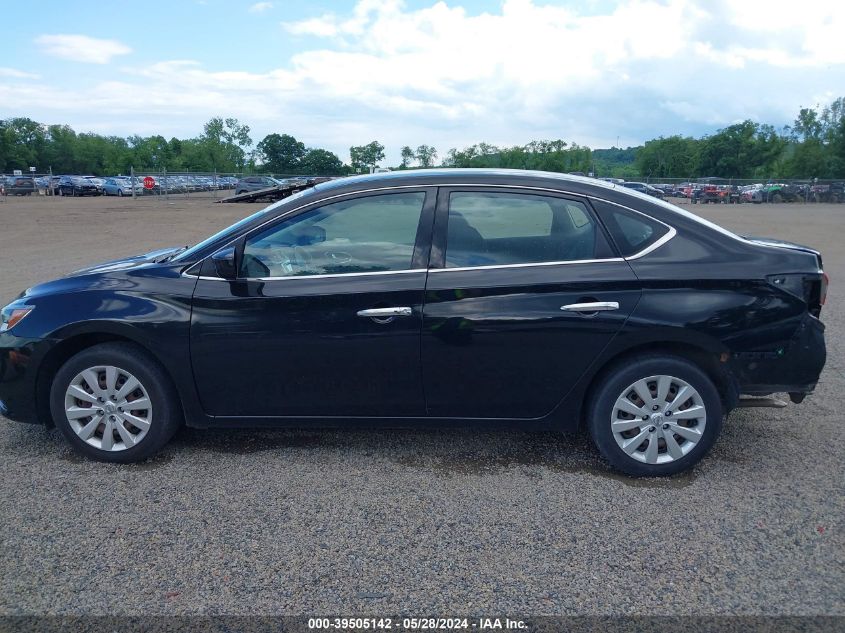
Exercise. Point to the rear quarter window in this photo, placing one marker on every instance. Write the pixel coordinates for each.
(632, 232)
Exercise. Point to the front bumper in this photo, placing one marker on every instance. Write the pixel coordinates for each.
(794, 367)
(20, 359)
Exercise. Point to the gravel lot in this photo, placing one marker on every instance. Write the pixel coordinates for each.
(434, 523)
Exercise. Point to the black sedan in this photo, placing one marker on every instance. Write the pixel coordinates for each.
(19, 186)
(77, 186)
(424, 297)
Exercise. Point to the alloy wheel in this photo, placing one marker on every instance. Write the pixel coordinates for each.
(658, 419)
(108, 408)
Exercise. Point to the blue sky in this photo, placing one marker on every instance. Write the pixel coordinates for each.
(447, 73)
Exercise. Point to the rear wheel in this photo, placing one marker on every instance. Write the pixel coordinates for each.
(114, 403)
(655, 416)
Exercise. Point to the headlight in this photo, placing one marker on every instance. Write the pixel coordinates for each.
(13, 314)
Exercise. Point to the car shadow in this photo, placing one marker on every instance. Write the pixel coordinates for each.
(443, 453)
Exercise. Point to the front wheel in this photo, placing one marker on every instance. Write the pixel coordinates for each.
(655, 416)
(114, 403)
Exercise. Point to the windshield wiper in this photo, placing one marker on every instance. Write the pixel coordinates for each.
(169, 256)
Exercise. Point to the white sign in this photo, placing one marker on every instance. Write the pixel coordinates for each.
(17, 172)
(32, 169)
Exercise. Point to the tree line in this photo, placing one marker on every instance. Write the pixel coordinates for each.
(813, 146)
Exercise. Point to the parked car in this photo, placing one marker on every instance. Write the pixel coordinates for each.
(783, 192)
(828, 192)
(255, 183)
(751, 193)
(415, 297)
(19, 186)
(717, 194)
(121, 186)
(644, 188)
(97, 182)
(76, 186)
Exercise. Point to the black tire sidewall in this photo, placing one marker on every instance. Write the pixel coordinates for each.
(135, 360)
(603, 399)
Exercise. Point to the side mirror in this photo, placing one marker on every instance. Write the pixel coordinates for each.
(224, 263)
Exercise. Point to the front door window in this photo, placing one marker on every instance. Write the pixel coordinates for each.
(361, 235)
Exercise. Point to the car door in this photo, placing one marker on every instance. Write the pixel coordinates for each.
(324, 319)
(524, 292)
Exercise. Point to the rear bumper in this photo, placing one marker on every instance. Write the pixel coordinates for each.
(793, 368)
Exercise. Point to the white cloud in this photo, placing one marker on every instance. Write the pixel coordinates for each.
(261, 7)
(17, 74)
(81, 48)
(524, 70)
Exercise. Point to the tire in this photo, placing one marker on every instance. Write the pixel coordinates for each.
(162, 418)
(777, 198)
(676, 373)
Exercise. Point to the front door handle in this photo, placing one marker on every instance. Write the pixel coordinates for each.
(382, 313)
(593, 306)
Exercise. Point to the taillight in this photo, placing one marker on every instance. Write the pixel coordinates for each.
(823, 289)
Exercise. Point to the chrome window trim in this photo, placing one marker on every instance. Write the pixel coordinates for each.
(672, 232)
(526, 265)
(669, 235)
(323, 276)
(334, 275)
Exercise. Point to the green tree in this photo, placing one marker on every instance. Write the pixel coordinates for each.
(743, 150)
(280, 153)
(426, 155)
(363, 157)
(407, 157)
(224, 142)
(26, 141)
(60, 152)
(321, 162)
(554, 155)
(671, 157)
(152, 152)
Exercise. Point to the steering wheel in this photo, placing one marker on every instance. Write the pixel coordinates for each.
(301, 258)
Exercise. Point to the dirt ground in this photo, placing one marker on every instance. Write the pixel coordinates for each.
(45, 237)
(420, 523)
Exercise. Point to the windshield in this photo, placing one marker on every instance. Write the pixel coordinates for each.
(234, 228)
(229, 230)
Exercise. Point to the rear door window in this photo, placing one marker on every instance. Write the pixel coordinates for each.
(502, 228)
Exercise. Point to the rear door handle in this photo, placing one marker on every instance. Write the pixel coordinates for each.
(593, 306)
(381, 313)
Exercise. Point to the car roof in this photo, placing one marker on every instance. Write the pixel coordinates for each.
(474, 176)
